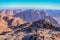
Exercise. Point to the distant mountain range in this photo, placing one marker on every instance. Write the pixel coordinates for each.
(32, 15)
(54, 13)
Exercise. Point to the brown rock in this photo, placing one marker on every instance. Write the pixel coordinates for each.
(4, 26)
(3, 13)
(18, 21)
(10, 13)
(57, 36)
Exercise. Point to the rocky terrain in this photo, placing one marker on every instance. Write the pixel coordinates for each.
(28, 25)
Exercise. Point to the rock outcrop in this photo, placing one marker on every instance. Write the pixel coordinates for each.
(4, 26)
(17, 21)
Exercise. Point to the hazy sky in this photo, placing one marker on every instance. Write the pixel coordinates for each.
(40, 4)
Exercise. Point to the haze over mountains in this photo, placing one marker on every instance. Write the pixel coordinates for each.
(20, 23)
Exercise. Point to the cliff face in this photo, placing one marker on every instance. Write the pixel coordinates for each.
(28, 25)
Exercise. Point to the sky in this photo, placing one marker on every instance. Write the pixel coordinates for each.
(35, 4)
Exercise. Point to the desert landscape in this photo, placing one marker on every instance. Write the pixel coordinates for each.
(29, 24)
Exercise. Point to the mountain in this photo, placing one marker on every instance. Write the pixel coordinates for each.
(54, 13)
(28, 15)
(28, 25)
(52, 19)
(34, 15)
(58, 20)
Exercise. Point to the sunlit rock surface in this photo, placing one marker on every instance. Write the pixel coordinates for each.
(3, 13)
(17, 21)
(4, 26)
